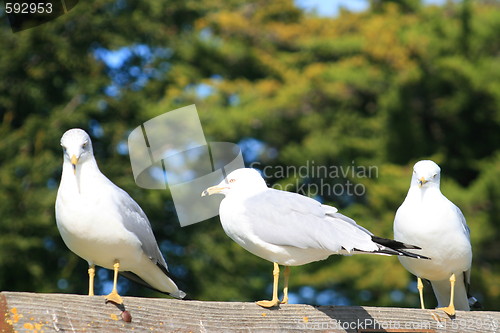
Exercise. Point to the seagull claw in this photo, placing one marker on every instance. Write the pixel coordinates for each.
(114, 297)
(269, 304)
(449, 310)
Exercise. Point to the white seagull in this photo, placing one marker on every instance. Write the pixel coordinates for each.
(431, 221)
(290, 229)
(102, 224)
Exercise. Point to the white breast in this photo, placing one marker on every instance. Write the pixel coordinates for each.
(434, 225)
(92, 230)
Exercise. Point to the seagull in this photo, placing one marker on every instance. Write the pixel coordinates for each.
(102, 224)
(289, 229)
(431, 221)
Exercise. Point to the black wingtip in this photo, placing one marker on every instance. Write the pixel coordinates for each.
(474, 303)
(394, 247)
(394, 244)
(412, 255)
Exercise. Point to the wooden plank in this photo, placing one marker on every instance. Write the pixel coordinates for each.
(31, 312)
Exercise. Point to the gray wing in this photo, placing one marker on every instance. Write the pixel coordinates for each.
(473, 302)
(349, 220)
(466, 231)
(289, 219)
(464, 222)
(136, 221)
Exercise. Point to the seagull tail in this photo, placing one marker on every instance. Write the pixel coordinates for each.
(179, 294)
(393, 247)
(137, 279)
(473, 302)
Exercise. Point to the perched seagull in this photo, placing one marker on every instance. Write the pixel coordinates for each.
(431, 221)
(290, 229)
(102, 224)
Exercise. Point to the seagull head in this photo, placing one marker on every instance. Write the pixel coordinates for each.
(244, 180)
(76, 146)
(426, 173)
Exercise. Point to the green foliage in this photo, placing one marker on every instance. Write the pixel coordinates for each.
(382, 88)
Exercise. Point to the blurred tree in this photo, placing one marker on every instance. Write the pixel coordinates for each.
(380, 89)
(55, 77)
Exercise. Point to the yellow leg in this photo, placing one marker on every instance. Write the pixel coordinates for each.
(285, 289)
(275, 301)
(113, 296)
(420, 287)
(450, 309)
(91, 279)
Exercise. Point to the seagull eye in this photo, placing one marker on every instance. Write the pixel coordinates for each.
(232, 180)
(64, 148)
(84, 144)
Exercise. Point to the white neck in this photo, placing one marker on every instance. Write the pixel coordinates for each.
(417, 192)
(84, 170)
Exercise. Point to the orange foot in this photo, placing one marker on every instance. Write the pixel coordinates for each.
(268, 304)
(114, 297)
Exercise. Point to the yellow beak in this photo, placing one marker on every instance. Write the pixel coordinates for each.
(74, 162)
(213, 190)
(421, 181)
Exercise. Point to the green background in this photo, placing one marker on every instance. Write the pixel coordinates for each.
(384, 87)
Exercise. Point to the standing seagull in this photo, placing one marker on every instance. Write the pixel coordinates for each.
(102, 224)
(290, 229)
(429, 220)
